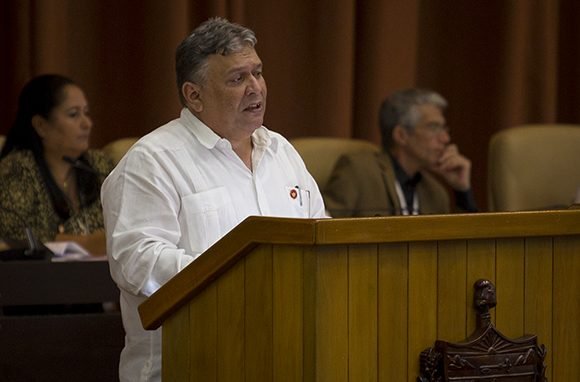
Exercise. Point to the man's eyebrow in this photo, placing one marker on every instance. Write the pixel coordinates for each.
(243, 68)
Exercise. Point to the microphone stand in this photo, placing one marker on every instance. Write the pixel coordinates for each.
(30, 249)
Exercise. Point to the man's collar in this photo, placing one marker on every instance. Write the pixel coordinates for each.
(208, 138)
(402, 176)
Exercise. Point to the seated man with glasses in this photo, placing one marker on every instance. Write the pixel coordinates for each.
(405, 178)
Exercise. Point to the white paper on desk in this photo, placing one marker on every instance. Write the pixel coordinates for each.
(66, 250)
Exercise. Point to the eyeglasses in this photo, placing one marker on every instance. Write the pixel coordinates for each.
(435, 128)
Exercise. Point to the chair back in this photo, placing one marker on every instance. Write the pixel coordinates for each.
(116, 149)
(533, 167)
(320, 154)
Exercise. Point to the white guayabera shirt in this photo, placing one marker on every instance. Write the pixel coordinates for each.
(175, 193)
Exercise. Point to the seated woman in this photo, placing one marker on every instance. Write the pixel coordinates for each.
(50, 178)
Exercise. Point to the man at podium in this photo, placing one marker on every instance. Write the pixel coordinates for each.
(186, 184)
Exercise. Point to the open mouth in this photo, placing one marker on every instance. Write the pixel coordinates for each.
(256, 106)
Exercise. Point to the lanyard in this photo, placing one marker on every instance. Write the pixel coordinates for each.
(403, 201)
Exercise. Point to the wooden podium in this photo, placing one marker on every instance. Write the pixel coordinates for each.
(359, 299)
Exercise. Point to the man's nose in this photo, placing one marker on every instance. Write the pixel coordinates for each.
(253, 86)
(444, 136)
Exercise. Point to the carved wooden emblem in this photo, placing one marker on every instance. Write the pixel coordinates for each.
(486, 355)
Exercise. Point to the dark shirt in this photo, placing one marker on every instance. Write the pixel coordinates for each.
(408, 183)
(464, 200)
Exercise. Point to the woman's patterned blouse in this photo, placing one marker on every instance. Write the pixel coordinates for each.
(25, 202)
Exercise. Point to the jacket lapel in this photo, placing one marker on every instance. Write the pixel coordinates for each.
(388, 175)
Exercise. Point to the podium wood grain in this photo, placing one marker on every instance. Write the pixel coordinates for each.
(358, 299)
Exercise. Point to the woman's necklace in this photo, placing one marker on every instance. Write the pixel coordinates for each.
(70, 191)
(65, 182)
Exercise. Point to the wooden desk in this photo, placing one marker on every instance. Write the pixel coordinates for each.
(58, 347)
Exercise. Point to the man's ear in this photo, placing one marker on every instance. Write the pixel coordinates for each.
(191, 94)
(39, 124)
(400, 135)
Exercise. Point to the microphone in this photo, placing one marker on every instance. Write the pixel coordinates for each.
(30, 249)
(79, 165)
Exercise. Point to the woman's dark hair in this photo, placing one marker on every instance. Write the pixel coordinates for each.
(40, 96)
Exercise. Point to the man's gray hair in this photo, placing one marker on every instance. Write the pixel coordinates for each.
(401, 108)
(214, 36)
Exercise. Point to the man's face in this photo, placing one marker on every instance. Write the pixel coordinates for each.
(232, 101)
(427, 141)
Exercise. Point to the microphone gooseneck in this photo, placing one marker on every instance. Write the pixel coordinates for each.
(34, 248)
(30, 238)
